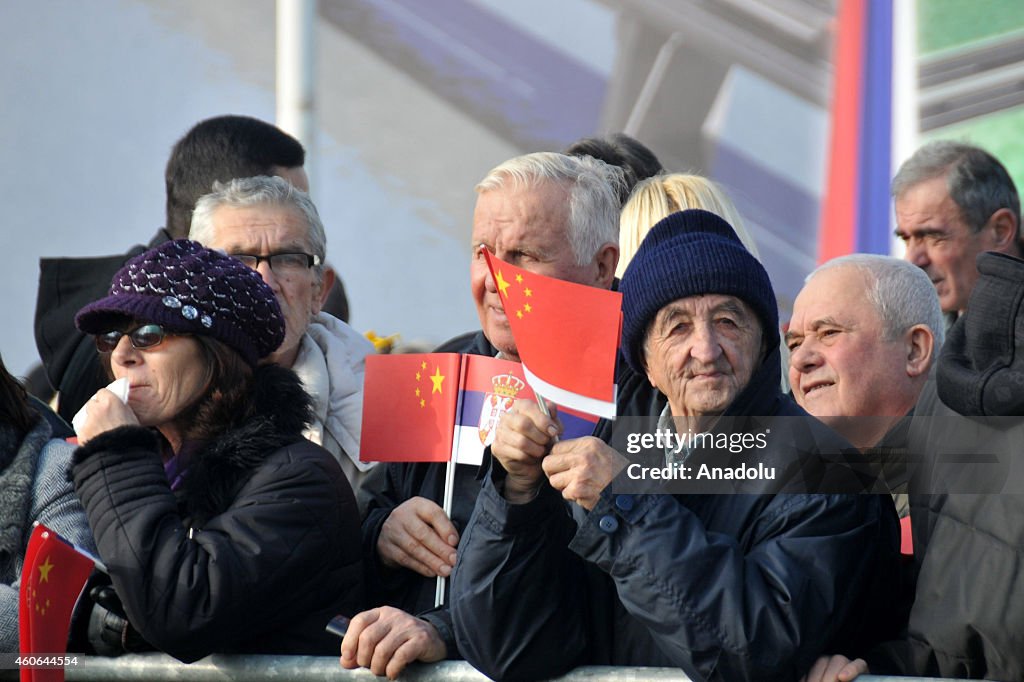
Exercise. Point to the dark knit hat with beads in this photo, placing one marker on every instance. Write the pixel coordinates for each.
(189, 289)
(690, 253)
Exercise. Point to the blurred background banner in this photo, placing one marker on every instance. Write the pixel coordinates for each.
(409, 103)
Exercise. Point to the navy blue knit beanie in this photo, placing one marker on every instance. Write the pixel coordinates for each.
(690, 253)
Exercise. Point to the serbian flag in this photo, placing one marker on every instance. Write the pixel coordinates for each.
(490, 388)
(409, 407)
(856, 214)
(52, 577)
(567, 336)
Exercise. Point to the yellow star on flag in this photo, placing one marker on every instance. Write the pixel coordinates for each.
(417, 393)
(437, 379)
(417, 376)
(528, 291)
(519, 314)
(44, 570)
(423, 365)
(527, 307)
(423, 402)
(502, 285)
(519, 279)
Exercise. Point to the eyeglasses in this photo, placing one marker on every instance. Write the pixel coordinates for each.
(146, 336)
(280, 263)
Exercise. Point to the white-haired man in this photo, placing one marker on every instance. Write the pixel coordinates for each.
(274, 228)
(548, 213)
(865, 332)
(564, 565)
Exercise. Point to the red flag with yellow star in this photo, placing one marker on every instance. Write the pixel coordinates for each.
(567, 335)
(52, 577)
(409, 407)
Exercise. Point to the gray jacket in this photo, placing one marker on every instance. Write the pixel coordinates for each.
(34, 486)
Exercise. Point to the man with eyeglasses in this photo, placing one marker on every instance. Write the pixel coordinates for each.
(218, 148)
(274, 228)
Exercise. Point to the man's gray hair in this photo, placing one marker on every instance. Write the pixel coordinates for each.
(977, 182)
(593, 188)
(899, 291)
(261, 190)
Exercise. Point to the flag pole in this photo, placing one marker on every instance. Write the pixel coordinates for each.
(544, 410)
(449, 475)
(449, 485)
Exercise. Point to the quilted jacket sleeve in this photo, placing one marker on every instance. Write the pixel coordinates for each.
(759, 607)
(518, 600)
(279, 553)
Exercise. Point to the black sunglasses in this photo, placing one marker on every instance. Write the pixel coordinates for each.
(145, 336)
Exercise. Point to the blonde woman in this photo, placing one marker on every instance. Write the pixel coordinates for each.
(657, 197)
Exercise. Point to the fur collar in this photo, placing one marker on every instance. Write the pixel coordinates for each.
(217, 470)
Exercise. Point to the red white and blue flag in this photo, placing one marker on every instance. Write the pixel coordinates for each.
(490, 387)
(436, 407)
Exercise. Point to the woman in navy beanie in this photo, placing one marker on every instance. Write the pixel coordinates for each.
(223, 529)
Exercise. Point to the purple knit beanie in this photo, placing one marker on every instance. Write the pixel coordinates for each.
(187, 288)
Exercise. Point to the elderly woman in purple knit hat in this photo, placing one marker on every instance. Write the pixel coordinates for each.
(222, 528)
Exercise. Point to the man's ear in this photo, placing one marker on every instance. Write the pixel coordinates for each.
(1003, 226)
(607, 259)
(326, 282)
(919, 344)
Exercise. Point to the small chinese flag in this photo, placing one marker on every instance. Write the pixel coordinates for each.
(52, 577)
(409, 407)
(567, 336)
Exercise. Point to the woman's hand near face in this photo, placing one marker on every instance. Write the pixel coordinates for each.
(106, 412)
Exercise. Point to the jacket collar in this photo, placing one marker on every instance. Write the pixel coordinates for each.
(219, 468)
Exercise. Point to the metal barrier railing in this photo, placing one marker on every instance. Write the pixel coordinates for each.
(220, 668)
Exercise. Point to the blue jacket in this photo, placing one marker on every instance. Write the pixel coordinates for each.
(732, 587)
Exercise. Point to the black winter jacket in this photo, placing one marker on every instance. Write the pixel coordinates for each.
(254, 553)
(726, 587)
(391, 484)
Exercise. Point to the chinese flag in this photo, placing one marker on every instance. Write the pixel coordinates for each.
(52, 576)
(567, 335)
(409, 407)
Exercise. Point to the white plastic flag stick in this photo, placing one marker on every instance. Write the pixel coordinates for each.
(449, 489)
(449, 479)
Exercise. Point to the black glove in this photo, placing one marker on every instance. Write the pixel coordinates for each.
(109, 632)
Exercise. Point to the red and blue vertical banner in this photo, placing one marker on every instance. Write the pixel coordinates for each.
(856, 213)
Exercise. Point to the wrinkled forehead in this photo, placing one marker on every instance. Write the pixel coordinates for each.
(277, 227)
(841, 291)
(527, 212)
(704, 306)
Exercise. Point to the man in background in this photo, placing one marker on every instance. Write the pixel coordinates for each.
(216, 149)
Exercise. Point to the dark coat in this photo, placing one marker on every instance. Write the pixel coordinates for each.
(256, 550)
(967, 618)
(393, 483)
(389, 485)
(69, 356)
(730, 587)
